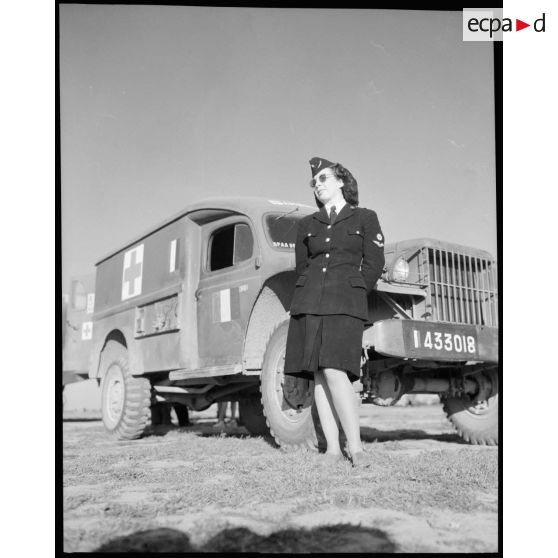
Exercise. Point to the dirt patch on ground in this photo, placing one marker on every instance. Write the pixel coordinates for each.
(195, 489)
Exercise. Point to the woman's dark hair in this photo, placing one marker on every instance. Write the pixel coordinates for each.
(350, 186)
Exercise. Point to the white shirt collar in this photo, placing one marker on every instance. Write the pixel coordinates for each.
(338, 207)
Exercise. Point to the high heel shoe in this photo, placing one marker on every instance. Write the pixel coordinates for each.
(361, 459)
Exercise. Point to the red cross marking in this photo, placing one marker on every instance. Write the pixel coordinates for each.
(133, 271)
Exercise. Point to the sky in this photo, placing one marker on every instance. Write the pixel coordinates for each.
(162, 106)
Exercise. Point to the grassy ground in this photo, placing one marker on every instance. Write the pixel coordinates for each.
(192, 488)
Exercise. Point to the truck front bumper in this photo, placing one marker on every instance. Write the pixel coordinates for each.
(440, 341)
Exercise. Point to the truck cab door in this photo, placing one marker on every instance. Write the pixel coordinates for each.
(229, 283)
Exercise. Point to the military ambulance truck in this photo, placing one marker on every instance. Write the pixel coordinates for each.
(195, 311)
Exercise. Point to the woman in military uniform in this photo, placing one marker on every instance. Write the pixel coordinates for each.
(339, 258)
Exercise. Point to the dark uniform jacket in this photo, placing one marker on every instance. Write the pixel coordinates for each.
(339, 264)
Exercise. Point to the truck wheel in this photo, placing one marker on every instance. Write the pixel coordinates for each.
(476, 421)
(125, 400)
(286, 400)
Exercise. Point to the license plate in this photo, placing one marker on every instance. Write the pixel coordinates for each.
(441, 340)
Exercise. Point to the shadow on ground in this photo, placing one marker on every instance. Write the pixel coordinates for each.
(326, 538)
(367, 434)
(203, 430)
(206, 430)
(374, 435)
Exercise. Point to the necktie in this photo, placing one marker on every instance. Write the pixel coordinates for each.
(332, 215)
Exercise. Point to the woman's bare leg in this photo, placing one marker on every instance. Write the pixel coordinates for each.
(326, 412)
(345, 404)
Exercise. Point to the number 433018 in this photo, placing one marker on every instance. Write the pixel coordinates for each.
(454, 342)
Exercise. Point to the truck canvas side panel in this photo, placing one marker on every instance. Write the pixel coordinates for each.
(142, 270)
(148, 288)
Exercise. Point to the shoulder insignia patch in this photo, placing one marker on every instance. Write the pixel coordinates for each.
(378, 244)
(379, 236)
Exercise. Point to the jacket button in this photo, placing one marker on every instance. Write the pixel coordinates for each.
(309, 234)
(329, 226)
(327, 255)
(358, 232)
(327, 239)
(324, 269)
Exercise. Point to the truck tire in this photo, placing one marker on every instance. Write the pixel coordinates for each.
(286, 401)
(476, 423)
(125, 400)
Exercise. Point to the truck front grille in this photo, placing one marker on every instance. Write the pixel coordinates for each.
(462, 288)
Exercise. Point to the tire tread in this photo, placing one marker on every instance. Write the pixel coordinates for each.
(136, 414)
(307, 438)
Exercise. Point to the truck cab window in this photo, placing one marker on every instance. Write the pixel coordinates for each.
(230, 246)
(243, 243)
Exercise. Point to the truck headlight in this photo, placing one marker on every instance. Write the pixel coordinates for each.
(399, 270)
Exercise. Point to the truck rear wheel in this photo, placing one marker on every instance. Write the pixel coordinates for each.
(476, 421)
(286, 401)
(125, 400)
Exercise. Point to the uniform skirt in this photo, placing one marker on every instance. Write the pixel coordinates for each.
(331, 341)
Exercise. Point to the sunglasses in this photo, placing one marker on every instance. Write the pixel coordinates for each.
(321, 178)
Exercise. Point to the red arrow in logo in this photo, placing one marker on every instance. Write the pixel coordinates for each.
(519, 25)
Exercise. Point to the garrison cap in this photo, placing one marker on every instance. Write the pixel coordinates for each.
(317, 164)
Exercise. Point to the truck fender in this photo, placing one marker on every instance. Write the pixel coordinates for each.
(103, 349)
(268, 312)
